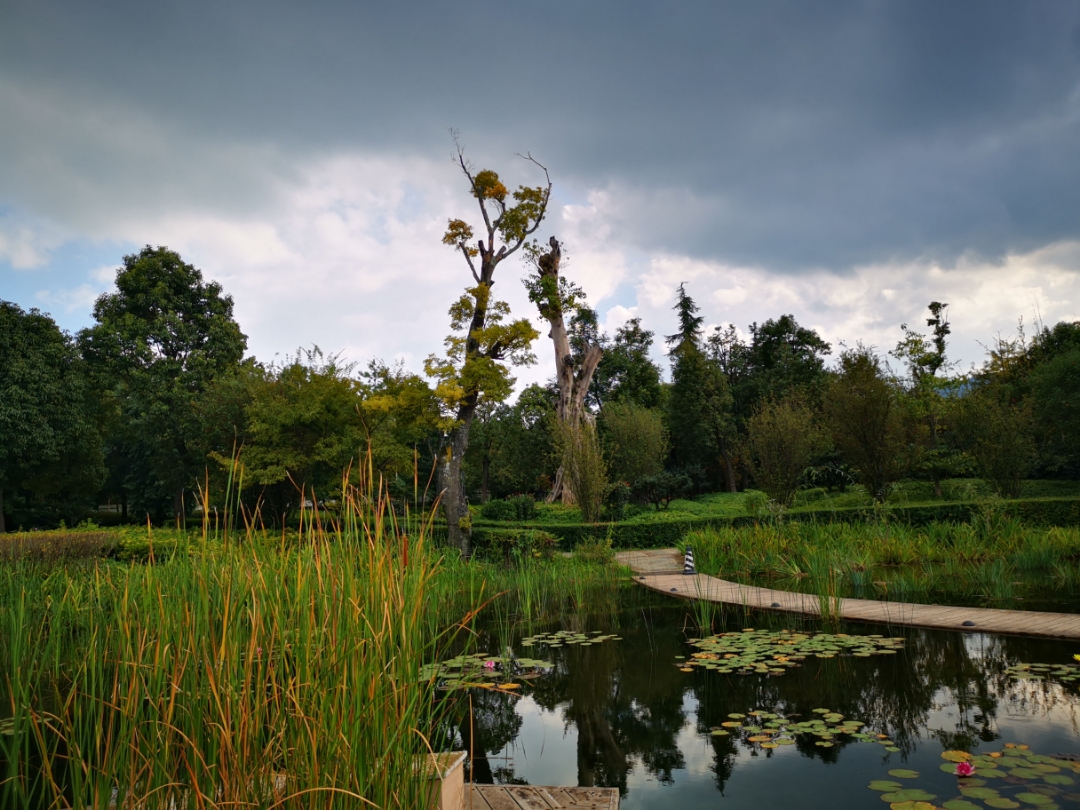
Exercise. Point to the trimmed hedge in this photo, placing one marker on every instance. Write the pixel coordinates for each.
(663, 533)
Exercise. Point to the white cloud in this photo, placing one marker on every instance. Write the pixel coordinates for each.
(72, 299)
(984, 299)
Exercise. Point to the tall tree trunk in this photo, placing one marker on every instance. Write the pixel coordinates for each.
(573, 383)
(3, 526)
(452, 485)
(729, 470)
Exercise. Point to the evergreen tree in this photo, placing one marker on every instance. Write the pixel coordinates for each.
(688, 402)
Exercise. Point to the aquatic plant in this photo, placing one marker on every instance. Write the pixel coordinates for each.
(1005, 780)
(768, 730)
(1066, 673)
(484, 671)
(752, 652)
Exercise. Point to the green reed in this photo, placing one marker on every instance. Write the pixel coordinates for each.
(984, 558)
(252, 672)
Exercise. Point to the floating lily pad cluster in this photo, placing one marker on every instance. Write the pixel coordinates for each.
(1066, 673)
(568, 637)
(770, 730)
(480, 669)
(1023, 779)
(752, 652)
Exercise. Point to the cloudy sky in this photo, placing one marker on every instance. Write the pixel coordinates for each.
(847, 162)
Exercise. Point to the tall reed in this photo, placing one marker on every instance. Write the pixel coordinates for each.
(252, 673)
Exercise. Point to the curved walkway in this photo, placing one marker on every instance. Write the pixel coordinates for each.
(661, 570)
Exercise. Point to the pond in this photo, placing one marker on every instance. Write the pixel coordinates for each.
(627, 712)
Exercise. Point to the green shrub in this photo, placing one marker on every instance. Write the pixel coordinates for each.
(513, 545)
(596, 550)
(661, 489)
(524, 507)
(497, 509)
(617, 499)
(667, 529)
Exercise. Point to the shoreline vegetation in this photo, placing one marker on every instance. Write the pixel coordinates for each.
(993, 560)
(246, 668)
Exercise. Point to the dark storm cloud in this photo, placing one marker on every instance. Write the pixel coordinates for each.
(781, 135)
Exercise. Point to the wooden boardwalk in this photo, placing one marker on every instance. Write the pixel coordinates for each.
(529, 797)
(661, 570)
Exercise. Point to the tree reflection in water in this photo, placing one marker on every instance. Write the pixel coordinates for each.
(626, 702)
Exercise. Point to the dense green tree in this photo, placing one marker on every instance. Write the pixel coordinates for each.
(634, 439)
(399, 414)
(1053, 383)
(865, 416)
(999, 434)
(783, 438)
(626, 372)
(928, 390)
(159, 342)
(303, 430)
(514, 446)
(475, 367)
(686, 402)
(784, 356)
(698, 402)
(50, 441)
(1055, 393)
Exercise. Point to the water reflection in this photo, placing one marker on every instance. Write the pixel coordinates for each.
(630, 719)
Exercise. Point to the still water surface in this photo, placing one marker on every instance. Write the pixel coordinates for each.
(622, 714)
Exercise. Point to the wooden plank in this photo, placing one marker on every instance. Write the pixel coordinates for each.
(533, 797)
(528, 798)
(652, 574)
(594, 798)
(497, 797)
(475, 800)
(554, 796)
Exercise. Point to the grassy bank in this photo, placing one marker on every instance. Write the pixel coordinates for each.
(994, 556)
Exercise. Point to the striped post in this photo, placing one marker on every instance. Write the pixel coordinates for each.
(688, 565)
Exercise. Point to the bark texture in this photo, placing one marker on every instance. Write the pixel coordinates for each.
(572, 376)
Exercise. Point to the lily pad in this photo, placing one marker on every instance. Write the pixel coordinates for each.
(960, 804)
(1059, 779)
(885, 786)
(1036, 799)
(979, 792)
(1002, 803)
(772, 653)
(904, 773)
(956, 756)
(909, 795)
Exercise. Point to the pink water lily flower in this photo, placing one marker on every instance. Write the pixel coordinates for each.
(489, 665)
(964, 769)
